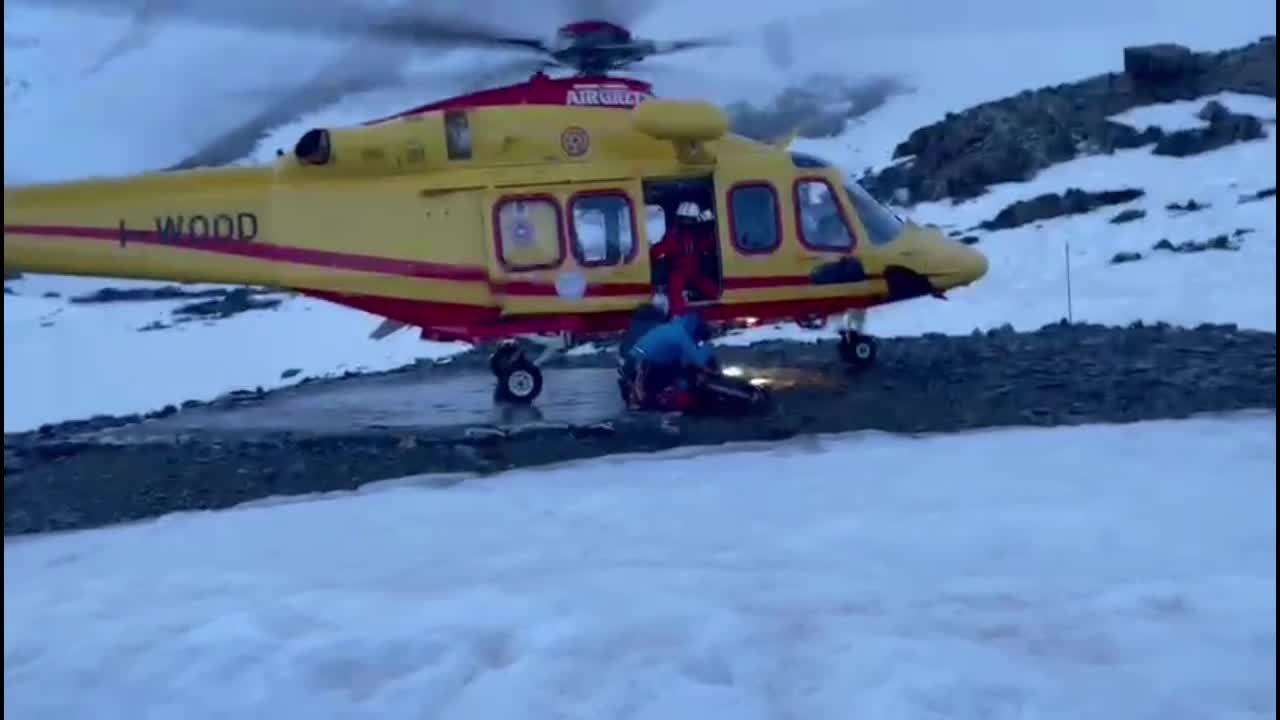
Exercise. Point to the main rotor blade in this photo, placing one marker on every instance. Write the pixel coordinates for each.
(332, 85)
(666, 47)
(776, 44)
(356, 71)
(334, 19)
(432, 84)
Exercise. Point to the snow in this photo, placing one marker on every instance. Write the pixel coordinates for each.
(198, 82)
(65, 361)
(1103, 571)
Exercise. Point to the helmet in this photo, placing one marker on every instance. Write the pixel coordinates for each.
(688, 212)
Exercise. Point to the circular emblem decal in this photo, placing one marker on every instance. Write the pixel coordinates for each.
(571, 285)
(574, 141)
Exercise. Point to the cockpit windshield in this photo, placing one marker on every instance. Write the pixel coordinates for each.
(881, 224)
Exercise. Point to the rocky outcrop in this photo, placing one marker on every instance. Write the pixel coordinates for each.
(1189, 206)
(1011, 139)
(234, 302)
(1051, 205)
(211, 303)
(1230, 242)
(1224, 128)
(1217, 242)
(1128, 216)
(1255, 196)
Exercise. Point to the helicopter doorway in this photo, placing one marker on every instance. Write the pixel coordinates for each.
(684, 240)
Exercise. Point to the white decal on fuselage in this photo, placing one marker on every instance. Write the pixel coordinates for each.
(609, 97)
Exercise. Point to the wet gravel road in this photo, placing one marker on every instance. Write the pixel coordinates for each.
(337, 435)
(428, 399)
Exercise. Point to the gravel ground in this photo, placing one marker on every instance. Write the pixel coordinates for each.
(64, 478)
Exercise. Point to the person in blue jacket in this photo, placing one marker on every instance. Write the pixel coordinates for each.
(663, 354)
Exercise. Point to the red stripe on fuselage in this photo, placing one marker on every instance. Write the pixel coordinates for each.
(354, 262)
(445, 321)
(456, 321)
(264, 251)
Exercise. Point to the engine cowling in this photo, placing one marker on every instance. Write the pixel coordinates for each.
(687, 125)
(364, 151)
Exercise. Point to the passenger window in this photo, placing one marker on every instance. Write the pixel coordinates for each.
(753, 218)
(603, 230)
(529, 233)
(822, 223)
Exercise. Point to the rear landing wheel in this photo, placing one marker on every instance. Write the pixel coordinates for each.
(857, 350)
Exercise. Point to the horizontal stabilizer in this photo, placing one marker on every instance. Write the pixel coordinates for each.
(388, 327)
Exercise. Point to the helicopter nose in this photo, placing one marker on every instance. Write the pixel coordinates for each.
(954, 264)
(925, 261)
(968, 265)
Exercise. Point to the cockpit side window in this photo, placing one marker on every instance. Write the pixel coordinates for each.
(821, 223)
(881, 224)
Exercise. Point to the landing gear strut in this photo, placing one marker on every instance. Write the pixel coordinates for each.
(857, 350)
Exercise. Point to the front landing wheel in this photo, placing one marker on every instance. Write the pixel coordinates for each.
(519, 380)
(857, 350)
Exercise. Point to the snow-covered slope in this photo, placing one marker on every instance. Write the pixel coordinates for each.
(67, 361)
(193, 82)
(1027, 285)
(1068, 580)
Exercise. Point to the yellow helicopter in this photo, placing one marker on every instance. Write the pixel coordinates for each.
(534, 212)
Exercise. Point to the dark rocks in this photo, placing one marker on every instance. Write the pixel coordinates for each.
(1217, 242)
(220, 303)
(1189, 206)
(1125, 257)
(1224, 128)
(969, 239)
(1051, 205)
(1012, 139)
(1161, 64)
(233, 302)
(1262, 194)
(163, 292)
(1061, 374)
(1126, 216)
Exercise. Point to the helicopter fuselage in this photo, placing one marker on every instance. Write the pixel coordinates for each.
(508, 212)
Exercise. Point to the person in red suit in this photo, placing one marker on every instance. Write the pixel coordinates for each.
(685, 250)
